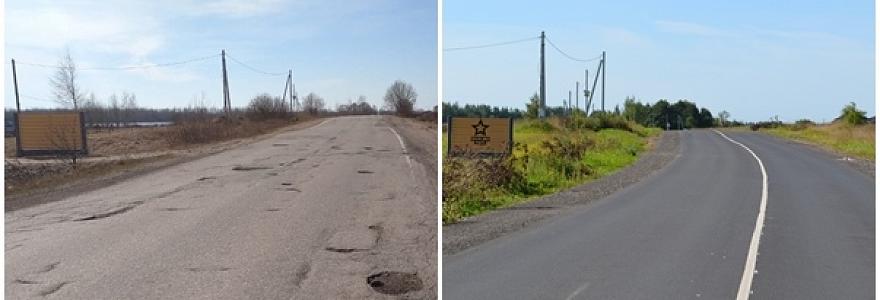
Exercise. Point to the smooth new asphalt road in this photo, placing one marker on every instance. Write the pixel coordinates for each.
(685, 233)
(305, 214)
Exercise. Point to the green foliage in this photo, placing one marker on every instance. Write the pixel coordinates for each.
(480, 110)
(682, 114)
(546, 159)
(851, 115)
(532, 106)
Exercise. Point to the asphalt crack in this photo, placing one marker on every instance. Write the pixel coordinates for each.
(53, 288)
(108, 214)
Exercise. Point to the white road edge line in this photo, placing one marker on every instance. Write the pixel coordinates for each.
(745, 285)
(402, 146)
(578, 291)
(322, 123)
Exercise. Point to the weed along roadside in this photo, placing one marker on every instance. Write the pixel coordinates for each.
(547, 156)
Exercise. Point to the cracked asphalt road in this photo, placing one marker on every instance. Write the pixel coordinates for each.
(293, 216)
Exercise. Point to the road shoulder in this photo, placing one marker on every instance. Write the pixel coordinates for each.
(79, 186)
(865, 166)
(485, 227)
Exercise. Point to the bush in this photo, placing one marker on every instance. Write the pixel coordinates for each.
(264, 107)
(851, 115)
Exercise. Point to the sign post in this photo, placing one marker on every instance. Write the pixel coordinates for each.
(484, 136)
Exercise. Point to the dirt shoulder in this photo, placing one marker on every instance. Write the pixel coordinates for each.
(420, 138)
(479, 229)
(98, 172)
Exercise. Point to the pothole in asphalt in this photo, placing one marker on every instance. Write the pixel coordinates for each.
(207, 178)
(273, 209)
(365, 172)
(249, 168)
(335, 147)
(394, 283)
(368, 148)
(279, 145)
(289, 189)
(286, 183)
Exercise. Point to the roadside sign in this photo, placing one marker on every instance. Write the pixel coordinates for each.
(50, 133)
(479, 135)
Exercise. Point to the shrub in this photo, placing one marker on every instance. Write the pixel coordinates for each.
(851, 115)
(264, 107)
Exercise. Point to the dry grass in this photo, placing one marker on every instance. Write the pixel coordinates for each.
(858, 141)
(24, 178)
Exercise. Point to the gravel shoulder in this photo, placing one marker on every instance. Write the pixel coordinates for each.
(485, 227)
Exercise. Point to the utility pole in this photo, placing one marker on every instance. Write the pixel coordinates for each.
(15, 82)
(541, 108)
(227, 103)
(603, 80)
(569, 97)
(576, 89)
(586, 90)
(293, 99)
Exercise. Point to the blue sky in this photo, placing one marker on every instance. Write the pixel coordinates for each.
(337, 49)
(754, 59)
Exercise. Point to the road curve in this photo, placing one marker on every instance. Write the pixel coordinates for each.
(305, 214)
(684, 233)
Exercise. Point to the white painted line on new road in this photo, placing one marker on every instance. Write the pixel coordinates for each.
(402, 146)
(745, 285)
(578, 291)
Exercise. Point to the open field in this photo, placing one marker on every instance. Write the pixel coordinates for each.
(546, 159)
(858, 141)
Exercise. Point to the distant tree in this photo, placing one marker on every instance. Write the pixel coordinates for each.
(533, 106)
(723, 117)
(65, 83)
(114, 110)
(313, 104)
(128, 107)
(851, 115)
(401, 97)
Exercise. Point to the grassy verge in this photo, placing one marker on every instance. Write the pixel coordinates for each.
(857, 141)
(547, 158)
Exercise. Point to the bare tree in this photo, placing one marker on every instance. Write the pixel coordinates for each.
(114, 110)
(65, 82)
(128, 106)
(313, 104)
(401, 97)
(265, 106)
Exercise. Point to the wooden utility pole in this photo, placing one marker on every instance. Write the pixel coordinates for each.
(569, 97)
(289, 91)
(586, 89)
(576, 89)
(541, 108)
(603, 81)
(227, 103)
(15, 83)
(292, 91)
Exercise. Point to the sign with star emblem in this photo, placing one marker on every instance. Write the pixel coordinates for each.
(479, 135)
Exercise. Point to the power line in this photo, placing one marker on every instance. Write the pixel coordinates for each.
(491, 45)
(38, 99)
(252, 68)
(125, 67)
(569, 56)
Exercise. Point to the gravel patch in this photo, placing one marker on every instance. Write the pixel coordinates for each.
(479, 229)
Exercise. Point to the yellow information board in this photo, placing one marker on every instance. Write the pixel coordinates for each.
(49, 133)
(479, 135)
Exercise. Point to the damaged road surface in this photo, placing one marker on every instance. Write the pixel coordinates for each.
(334, 211)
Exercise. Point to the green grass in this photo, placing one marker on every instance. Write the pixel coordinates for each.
(544, 171)
(857, 141)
